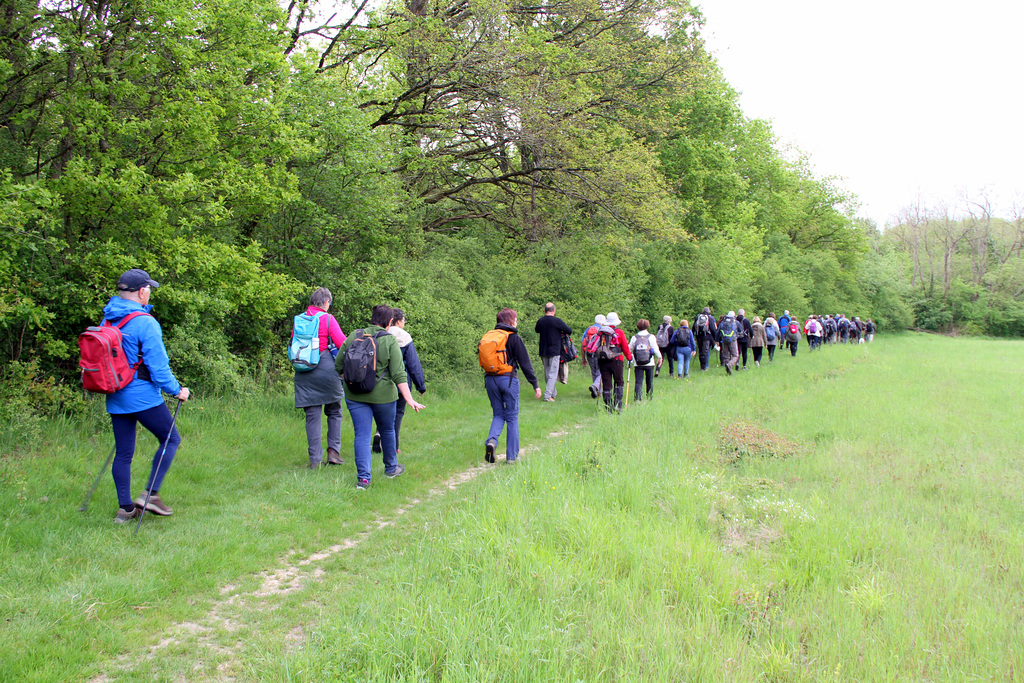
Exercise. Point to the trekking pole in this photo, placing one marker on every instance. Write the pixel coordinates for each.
(106, 465)
(629, 368)
(159, 462)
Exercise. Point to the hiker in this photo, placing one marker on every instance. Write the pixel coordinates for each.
(728, 331)
(743, 338)
(613, 349)
(646, 357)
(550, 328)
(758, 339)
(705, 331)
(664, 337)
(869, 333)
(140, 401)
(502, 353)
(591, 359)
(413, 369)
(858, 325)
(685, 346)
(772, 335)
(813, 331)
(373, 396)
(319, 389)
(784, 325)
(793, 335)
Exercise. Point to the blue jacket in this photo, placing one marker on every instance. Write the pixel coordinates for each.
(140, 394)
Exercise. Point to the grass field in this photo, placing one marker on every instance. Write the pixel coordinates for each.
(854, 514)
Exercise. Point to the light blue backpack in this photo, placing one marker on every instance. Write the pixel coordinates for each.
(304, 351)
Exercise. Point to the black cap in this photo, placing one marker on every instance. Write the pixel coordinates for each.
(134, 280)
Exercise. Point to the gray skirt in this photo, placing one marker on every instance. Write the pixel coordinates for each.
(319, 386)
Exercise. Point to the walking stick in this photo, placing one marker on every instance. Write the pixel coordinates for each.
(629, 369)
(159, 462)
(106, 465)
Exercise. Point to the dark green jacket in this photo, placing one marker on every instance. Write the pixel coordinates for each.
(390, 368)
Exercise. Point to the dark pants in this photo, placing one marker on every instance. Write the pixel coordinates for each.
(611, 376)
(399, 414)
(669, 354)
(758, 350)
(743, 351)
(771, 352)
(704, 352)
(642, 373)
(158, 421)
(792, 347)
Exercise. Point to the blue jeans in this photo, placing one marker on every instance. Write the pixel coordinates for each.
(158, 421)
(363, 416)
(503, 390)
(683, 356)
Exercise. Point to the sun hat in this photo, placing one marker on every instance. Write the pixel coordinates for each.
(612, 319)
(599, 319)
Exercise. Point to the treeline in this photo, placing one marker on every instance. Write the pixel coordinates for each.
(448, 157)
(965, 271)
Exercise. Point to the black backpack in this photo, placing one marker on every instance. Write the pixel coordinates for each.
(360, 365)
(568, 349)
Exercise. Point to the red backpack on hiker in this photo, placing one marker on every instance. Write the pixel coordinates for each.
(104, 365)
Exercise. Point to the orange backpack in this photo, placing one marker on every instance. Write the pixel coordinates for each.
(493, 354)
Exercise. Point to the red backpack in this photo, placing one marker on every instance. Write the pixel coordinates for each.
(794, 328)
(104, 365)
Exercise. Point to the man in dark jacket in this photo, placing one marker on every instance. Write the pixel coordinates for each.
(503, 390)
(705, 331)
(746, 333)
(550, 329)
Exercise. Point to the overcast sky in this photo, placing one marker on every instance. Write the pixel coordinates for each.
(903, 99)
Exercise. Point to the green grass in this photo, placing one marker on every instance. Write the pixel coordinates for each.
(853, 514)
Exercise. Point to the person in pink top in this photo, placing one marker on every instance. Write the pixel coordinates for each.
(320, 388)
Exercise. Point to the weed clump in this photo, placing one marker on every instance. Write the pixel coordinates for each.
(739, 440)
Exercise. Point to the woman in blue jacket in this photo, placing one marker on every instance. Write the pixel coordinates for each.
(685, 346)
(141, 401)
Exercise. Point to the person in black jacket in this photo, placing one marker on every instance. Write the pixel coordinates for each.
(503, 389)
(705, 332)
(412, 367)
(746, 332)
(550, 330)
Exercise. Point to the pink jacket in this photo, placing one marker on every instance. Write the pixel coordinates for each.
(329, 329)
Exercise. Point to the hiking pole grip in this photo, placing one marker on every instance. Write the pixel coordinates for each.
(159, 462)
(99, 475)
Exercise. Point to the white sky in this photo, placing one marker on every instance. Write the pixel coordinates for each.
(902, 99)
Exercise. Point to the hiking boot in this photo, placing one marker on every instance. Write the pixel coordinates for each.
(376, 443)
(489, 451)
(618, 399)
(593, 391)
(397, 472)
(334, 457)
(123, 517)
(728, 370)
(156, 506)
(513, 461)
(607, 396)
(315, 465)
(362, 484)
(550, 399)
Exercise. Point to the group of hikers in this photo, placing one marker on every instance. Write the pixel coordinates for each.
(371, 371)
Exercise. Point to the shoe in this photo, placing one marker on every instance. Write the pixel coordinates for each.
(593, 391)
(728, 370)
(362, 484)
(334, 457)
(397, 472)
(757, 363)
(156, 506)
(376, 443)
(315, 465)
(513, 461)
(550, 400)
(686, 376)
(489, 451)
(123, 517)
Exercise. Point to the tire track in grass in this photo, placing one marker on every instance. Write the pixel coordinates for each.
(202, 637)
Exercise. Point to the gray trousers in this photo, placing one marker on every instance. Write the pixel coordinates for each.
(550, 375)
(595, 372)
(313, 434)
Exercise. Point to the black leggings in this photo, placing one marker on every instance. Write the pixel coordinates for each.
(610, 369)
(641, 373)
